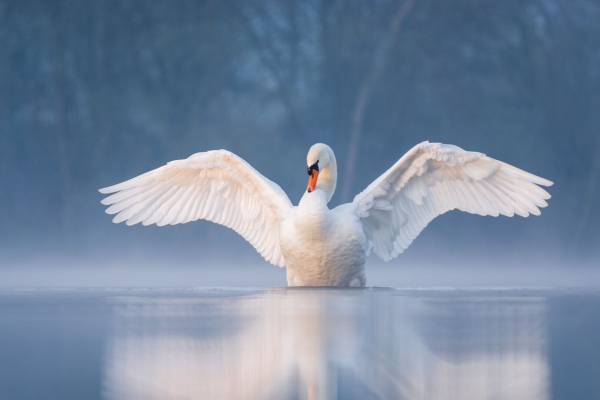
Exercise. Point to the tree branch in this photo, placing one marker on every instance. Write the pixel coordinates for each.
(364, 93)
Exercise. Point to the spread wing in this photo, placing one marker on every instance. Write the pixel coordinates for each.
(215, 185)
(433, 178)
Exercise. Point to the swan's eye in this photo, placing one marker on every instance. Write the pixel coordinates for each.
(314, 167)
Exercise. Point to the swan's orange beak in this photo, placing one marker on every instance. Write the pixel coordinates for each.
(312, 180)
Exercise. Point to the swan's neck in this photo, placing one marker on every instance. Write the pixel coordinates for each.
(312, 213)
(328, 178)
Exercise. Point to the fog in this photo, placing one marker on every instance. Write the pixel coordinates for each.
(96, 92)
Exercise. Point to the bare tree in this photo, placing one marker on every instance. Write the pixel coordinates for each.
(5, 95)
(365, 92)
(285, 74)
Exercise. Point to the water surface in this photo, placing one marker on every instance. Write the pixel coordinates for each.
(285, 343)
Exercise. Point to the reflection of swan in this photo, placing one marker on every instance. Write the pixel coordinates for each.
(322, 247)
(310, 344)
(159, 352)
(156, 354)
(475, 349)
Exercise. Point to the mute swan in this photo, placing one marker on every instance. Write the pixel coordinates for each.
(319, 246)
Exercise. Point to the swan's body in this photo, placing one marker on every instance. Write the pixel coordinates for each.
(319, 246)
(323, 247)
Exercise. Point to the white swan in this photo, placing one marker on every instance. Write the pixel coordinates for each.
(319, 246)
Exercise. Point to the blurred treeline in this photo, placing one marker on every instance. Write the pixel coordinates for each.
(93, 92)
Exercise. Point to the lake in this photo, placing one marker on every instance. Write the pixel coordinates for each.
(300, 343)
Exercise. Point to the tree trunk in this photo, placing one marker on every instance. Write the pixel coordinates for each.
(364, 93)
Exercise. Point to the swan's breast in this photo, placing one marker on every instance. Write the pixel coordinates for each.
(329, 250)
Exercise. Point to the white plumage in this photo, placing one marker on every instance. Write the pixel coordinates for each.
(217, 186)
(433, 178)
(322, 247)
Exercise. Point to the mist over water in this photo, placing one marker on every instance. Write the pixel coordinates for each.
(93, 93)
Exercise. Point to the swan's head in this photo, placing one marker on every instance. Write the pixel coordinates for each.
(320, 160)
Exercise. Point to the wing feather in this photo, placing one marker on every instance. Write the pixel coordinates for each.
(217, 186)
(433, 178)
